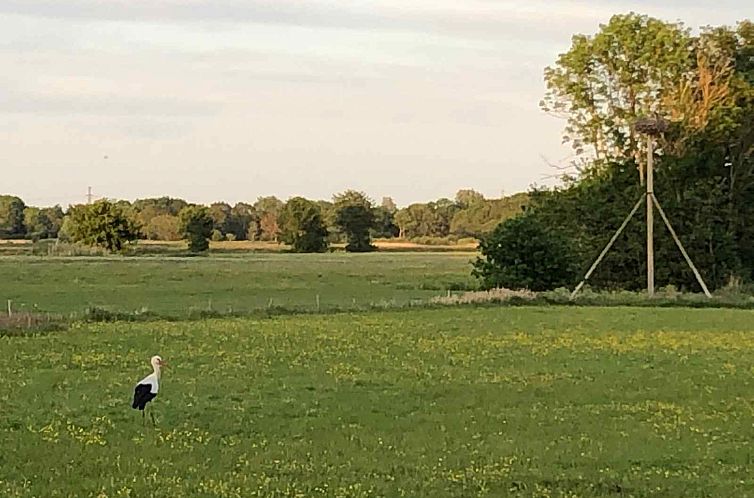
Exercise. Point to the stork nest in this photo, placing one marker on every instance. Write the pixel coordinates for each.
(651, 126)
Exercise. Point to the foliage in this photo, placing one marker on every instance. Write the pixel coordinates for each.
(481, 216)
(146, 209)
(522, 253)
(704, 175)
(268, 209)
(302, 227)
(355, 216)
(42, 223)
(11, 217)
(164, 227)
(196, 227)
(102, 224)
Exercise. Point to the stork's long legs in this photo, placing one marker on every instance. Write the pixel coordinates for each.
(151, 414)
(143, 418)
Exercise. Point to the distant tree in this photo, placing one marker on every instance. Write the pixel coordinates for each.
(221, 217)
(354, 215)
(384, 220)
(416, 220)
(163, 227)
(269, 229)
(384, 224)
(522, 253)
(388, 204)
(468, 197)
(242, 218)
(481, 217)
(196, 227)
(146, 209)
(102, 224)
(268, 209)
(443, 211)
(302, 227)
(42, 223)
(55, 217)
(11, 217)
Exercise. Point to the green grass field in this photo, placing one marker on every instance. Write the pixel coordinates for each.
(243, 283)
(545, 402)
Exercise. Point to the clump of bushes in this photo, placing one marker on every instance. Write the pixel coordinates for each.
(523, 253)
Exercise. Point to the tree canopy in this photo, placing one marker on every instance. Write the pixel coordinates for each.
(302, 226)
(103, 224)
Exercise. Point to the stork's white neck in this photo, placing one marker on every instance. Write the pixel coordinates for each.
(156, 370)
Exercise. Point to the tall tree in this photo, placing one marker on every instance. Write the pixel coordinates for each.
(102, 224)
(630, 68)
(221, 216)
(163, 227)
(196, 227)
(468, 197)
(11, 217)
(302, 227)
(354, 215)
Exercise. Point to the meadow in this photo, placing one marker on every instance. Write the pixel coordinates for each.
(454, 402)
(237, 282)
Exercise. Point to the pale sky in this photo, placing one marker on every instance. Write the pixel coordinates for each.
(234, 99)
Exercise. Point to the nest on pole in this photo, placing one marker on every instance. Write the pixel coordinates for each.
(651, 126)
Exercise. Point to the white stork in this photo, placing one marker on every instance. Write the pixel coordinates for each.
(148, 387)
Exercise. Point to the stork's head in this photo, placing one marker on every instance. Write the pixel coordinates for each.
(157, 362)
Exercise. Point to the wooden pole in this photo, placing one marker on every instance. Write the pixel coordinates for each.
(680, 246)
(608, 246)
(650, 219)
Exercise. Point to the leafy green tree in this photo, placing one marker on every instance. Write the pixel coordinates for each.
(221, 214)
(146, 209)
(42, 223)
(605, 82)
(384, 223)
(54, 219)
(354, 215)
(480, 217)
(196, 227)
(302, 226)
(242, 217)
(102, 224)
(468, 197)
(416, 220)
(164, 227)
(522, 253)
(11, 217)
(703, 85)
(36, 224)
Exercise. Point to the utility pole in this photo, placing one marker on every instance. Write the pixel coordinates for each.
(650, 218)
(89, 196)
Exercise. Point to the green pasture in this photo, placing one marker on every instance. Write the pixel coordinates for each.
(455, 402)
(176, 286)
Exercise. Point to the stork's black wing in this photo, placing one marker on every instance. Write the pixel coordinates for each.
(142, 395)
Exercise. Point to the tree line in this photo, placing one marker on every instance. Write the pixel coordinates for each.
(351, 217)
(700, 85)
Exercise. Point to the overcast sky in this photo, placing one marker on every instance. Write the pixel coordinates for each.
(233, 99)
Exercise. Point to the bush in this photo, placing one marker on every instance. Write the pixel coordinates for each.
(522, 253)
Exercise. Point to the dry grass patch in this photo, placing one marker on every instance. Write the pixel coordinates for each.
(489, 296)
